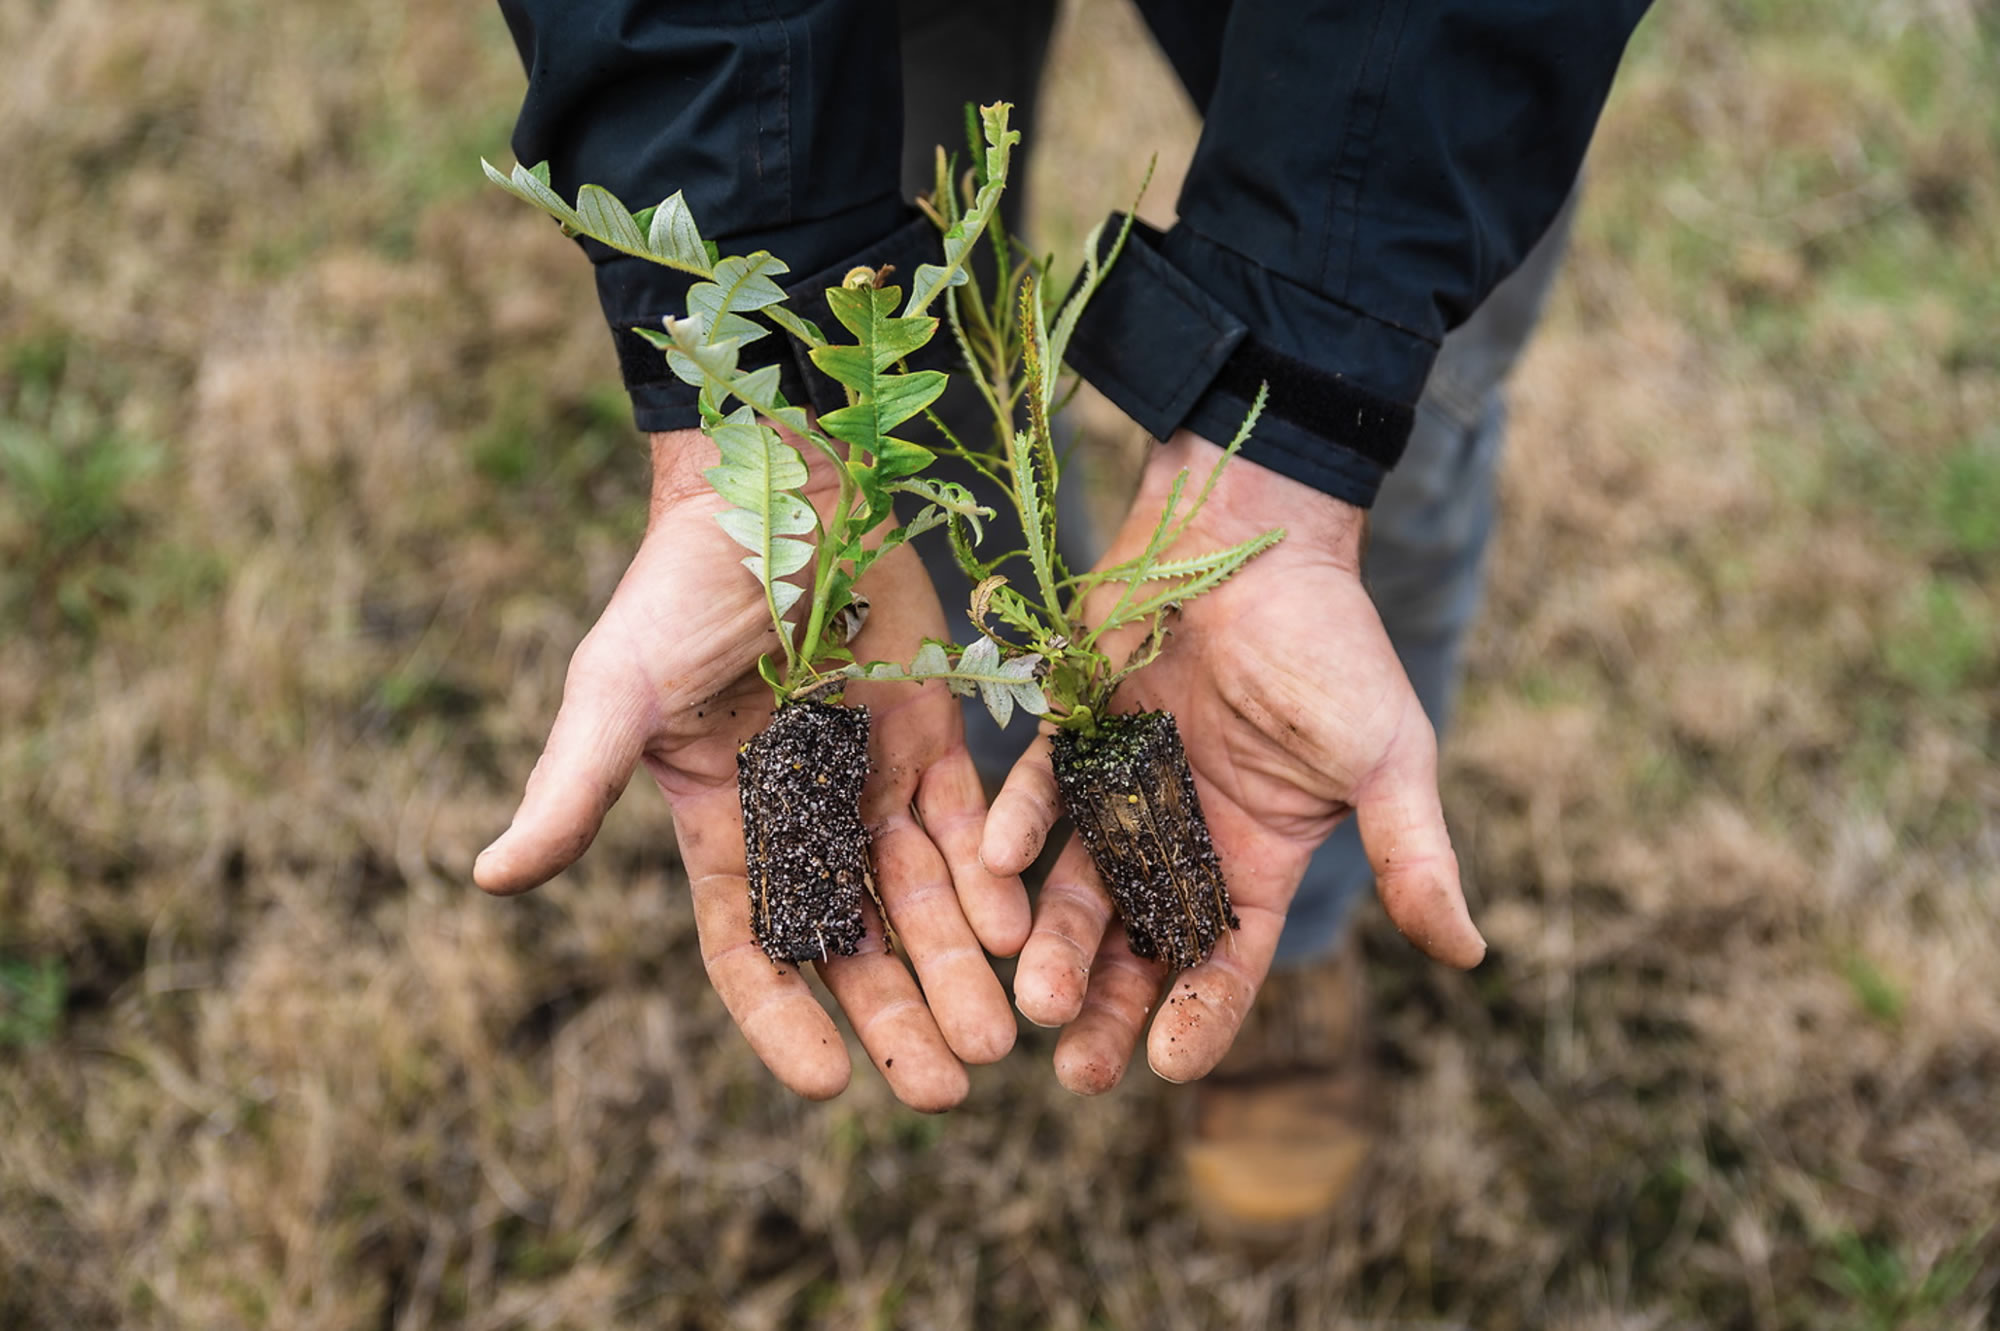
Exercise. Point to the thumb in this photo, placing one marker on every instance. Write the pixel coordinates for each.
(599, 733)
(1416, 872)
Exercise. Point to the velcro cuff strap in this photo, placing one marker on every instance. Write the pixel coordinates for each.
(1327, 405)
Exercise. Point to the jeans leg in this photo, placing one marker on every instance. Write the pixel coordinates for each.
(1425, 565)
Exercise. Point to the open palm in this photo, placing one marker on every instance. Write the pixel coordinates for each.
(667, 678)
(1294, 712)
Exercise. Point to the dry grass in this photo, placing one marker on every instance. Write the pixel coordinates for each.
(311, 474)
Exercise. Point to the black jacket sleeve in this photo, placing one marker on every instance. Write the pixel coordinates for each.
(1368, 172)
(781, 122)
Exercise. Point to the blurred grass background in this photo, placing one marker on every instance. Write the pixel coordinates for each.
(313, 469)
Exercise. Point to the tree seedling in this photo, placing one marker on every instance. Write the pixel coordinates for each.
(1124, 778)
(800, 778)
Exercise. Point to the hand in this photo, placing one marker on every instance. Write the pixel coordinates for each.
(667, 676)
(1294, 711)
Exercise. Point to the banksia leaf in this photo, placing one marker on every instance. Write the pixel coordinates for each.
(1001, 685)
(759, 476)
(741, 284)
(531, 184)
(673, 236)
(882, 398)
(964, 233)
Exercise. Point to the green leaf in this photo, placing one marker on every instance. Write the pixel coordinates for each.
(1003, 686)
(804, 329)
(768, 668)
(1221, 567)
(672, 235)
(1037, 514)
(742, 284)
(882, 398)
(1015, 612)
(965, 232)
(759, 476)
(532, 185)
(951, 500)
(604, 217)
(1093, 277)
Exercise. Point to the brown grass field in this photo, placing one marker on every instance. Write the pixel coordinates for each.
(313, 469)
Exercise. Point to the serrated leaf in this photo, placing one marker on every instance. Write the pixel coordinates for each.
(1094, 272)
(953, 499)
(753, 531)
(532, 186)
(882, 398)
(758, 474)
(1014, 612)
(964, 233)
(1224, 566)
(742, 283)
(804, 329)
(930, 659)
(1037, 516)
(784, 595)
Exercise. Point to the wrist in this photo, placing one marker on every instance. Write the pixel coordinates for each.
(679, 459)
(1249, 498)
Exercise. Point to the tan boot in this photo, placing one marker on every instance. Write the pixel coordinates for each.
(1282, 1127)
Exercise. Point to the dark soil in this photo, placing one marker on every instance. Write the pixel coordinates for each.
(1132, 798)
(805, 845)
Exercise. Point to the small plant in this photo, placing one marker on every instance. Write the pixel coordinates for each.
(800, 778)
(1124, 779)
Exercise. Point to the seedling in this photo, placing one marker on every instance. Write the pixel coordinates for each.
(800, 779)
(1124, 778)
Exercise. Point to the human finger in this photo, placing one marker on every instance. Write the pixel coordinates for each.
(1416, 872)
(1206, 1004)
(953, 807)
(1095, 1048)
(895, 1026)
(596, 740)
(770, 1002)
(1072, 912)
(1023, 812)
(965, 997)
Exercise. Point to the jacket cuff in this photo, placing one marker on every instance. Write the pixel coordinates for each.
(1183, 331)
(634, 292)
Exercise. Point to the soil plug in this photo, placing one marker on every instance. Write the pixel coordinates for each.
(805, 845)
(1132, 798)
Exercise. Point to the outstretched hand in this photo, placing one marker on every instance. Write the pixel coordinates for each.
(1294, 712)
(667, 677)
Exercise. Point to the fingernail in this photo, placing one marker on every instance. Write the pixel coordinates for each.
(1032, 1020)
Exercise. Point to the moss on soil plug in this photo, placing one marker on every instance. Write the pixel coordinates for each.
(1132, 797)
(806, 849)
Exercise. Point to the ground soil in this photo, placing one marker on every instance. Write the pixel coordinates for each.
(805, 845)
(1132, 798)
